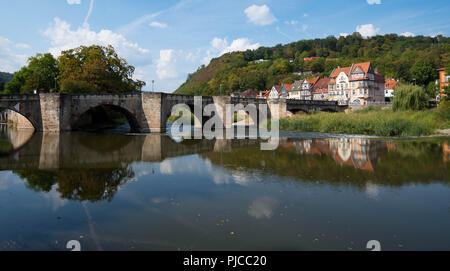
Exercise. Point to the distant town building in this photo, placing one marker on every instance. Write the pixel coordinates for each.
(444, 80)
(259, 61)
(389, 87)
(296, 90)
(303, 73)
(320, 89)
(263, 94)
(307, 88)
(249, 93)
(275, 92)
(358, 85)
(311, 58)
(286, 88)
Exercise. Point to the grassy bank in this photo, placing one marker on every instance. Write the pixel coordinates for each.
(371, 121)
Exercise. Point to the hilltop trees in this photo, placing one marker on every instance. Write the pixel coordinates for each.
(93, 69)
(422, 72)
(402, 58)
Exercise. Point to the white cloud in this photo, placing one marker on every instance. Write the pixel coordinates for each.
(12, 55)
(63, 37)
(242, 44)
(367, 30)
(263, 207)
(434, 35)
(305, 15)
(374, 2)
(23, 46)
(343, 34)
(221, 46)
(292, 22)
(158, 24)
(260, 15)
(407, 34)
(73, 2)
(166, 68)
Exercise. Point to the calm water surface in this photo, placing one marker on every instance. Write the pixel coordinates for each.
(154, 192)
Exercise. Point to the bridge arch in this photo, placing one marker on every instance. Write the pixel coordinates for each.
(35, 123)
(86, 116)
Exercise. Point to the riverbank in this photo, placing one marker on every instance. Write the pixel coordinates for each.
(372, 121)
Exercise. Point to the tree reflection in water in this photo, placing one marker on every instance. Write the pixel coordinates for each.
(346, 161)
(81, 185)
(91, 167)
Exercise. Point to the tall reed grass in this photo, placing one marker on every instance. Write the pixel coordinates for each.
(370, 121)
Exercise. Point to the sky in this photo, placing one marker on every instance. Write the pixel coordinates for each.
(166, 40)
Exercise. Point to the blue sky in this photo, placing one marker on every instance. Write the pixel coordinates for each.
(166, 40)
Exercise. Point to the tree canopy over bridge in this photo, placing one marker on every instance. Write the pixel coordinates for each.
(92, 69)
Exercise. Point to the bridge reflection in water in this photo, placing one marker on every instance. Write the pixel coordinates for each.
(155, 192)
(84, 162)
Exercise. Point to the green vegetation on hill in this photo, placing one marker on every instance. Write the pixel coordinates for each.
(409, 59)
(4, 78)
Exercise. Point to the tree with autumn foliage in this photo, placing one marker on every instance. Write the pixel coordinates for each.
(96, 69)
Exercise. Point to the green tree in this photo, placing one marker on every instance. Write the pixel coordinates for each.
(39, 74)
(422, 72)
(16, 84)
(98, 67)
(409, 97)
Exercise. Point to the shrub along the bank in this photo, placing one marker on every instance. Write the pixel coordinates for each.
(371, 121)
(410, 97)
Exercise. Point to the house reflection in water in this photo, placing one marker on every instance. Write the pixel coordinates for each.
(357, 152)
(446, 152)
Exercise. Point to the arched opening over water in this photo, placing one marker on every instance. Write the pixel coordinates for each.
(106, 118)
(13, 119)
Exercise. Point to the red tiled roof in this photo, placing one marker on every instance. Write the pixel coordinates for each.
(364, 66)
(288, 86)
(337, 71)
(390, 83)
(311, 58)
(312, 81)
(322, 84)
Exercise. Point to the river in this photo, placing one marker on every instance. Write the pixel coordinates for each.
(155, 192)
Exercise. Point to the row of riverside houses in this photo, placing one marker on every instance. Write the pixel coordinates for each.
(359, 84)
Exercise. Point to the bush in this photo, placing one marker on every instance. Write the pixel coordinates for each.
(409, 97)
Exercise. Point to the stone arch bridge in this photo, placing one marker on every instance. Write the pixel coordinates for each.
(146, 112)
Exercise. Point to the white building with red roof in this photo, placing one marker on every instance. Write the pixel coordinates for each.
(359, 84)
